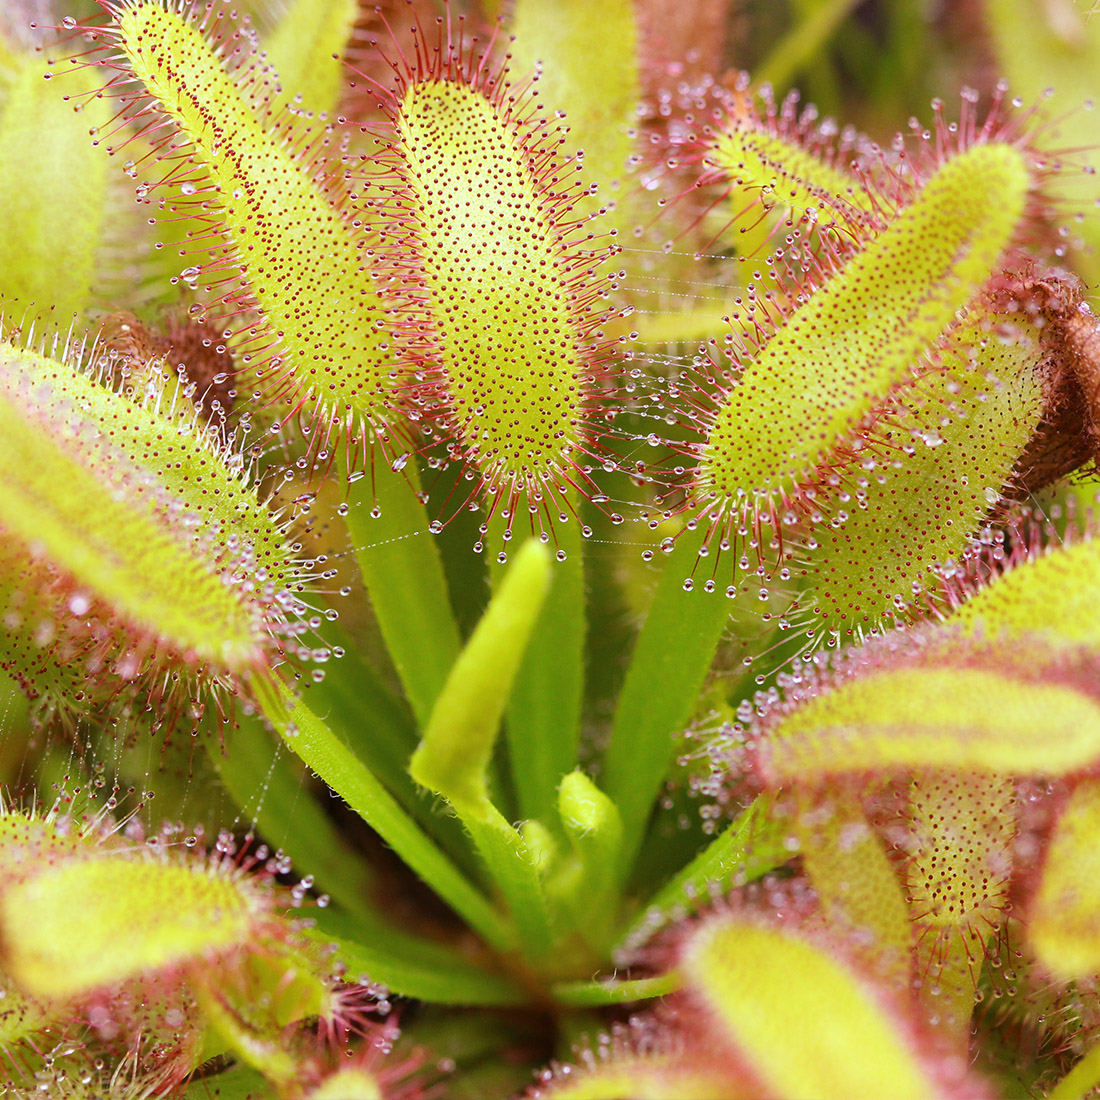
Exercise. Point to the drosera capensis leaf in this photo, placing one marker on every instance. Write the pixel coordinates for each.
(598, 91)
(953, 710)
(778, 429)
(287, 246)
(1062, 40)
(957, 884)
(177, 558)
(933, 717)
(46, 158)
(511, 293)
(933, 469)
(307, 269)
(1049, 594)
(88, 539)
(645, 1076)
(305, 49)
(805, 1022)
(865, 327)
(774, 157)
(163, 923)
(848, 865)
(1024, 636)
(143, 916)
(1062, 926)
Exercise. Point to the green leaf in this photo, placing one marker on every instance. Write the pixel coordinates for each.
(239, 1082)
(748, 848)
(260, 777)
(453, 758)
(670, 662)
(802, 43)
(585, 885)
(400, 563)
(544, 711)
(308, 737)
(413, 966)
(377, 727)
(611, 992)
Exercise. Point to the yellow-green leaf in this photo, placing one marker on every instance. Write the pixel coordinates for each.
(348, 1084)
(598, 89)
(305, 49)
(860, 894)
(930, 474)
(650, 1077)
(128, 533)
(97, 922)
(1051, 596)
(303, 264)
(802, 1020)
(761, 161)
(841, 352)
(1063, 920)
(957, 880)
(957, 719)
(453, 757)
(497, 269)
(53, 195)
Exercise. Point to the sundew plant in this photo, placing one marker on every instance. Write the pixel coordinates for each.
(537, 560)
